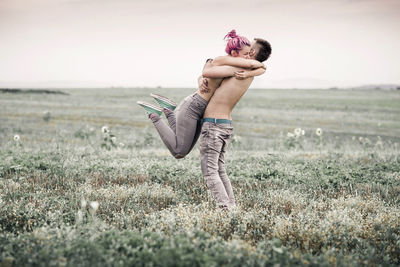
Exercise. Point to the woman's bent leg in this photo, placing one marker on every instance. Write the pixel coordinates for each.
(188, 124)
(166, 134)
(196, 135)
(188, 115)
(171, 118)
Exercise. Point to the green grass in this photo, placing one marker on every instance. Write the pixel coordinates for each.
(328, 201)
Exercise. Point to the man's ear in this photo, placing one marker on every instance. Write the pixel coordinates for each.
(253, 56)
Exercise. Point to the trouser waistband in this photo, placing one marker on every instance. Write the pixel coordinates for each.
(199, 98)
(216, 121)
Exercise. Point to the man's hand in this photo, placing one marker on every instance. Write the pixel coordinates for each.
(255, 64)
(203, 85)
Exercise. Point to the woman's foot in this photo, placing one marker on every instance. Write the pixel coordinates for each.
(150, 109)
(164, 102)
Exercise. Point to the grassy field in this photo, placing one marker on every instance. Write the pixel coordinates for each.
(73, 196)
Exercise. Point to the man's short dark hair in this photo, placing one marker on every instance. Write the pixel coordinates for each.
(265, 49)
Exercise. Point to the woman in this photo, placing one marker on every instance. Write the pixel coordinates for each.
(185, 122)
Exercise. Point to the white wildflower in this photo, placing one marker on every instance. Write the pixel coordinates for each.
(379, 143)
(94, 205)
(318, 131)
(361, 139)
(83, 203)
(353, 138)
(46, 115)
(303, 132)
(297, 131)
(16, 138)
(113, 139)
(237, 138)
(278, 250)
(79, 217)
(121, 144)
(290, 135)
(104, 129)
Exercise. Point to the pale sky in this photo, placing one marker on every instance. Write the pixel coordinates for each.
(315, 43)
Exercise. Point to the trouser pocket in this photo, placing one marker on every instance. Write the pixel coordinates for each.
(196, 109)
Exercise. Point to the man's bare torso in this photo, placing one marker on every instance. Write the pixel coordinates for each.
(213, 84)
(226, 96)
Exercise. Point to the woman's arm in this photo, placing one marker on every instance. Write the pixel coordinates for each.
(237, 62)
(211, 71)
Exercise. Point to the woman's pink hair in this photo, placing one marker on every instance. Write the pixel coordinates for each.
(235, 42)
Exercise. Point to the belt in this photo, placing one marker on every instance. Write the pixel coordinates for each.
(216, 121)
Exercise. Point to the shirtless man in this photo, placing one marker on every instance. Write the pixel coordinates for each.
(217, 129)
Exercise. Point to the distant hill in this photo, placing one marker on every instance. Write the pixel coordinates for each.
(377, 87)
(31, 91)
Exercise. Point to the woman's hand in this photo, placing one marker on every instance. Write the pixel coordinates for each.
(241, 74)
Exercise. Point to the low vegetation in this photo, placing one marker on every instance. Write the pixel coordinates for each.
(85, 180)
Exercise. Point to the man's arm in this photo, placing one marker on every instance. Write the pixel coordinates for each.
(243, 74)
(203, 84)
(237, 62)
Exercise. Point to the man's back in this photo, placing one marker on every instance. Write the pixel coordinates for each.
(226, 97)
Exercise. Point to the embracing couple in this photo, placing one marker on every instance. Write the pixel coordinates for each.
(207, 112)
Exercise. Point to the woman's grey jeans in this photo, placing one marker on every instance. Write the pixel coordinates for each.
(184, 125)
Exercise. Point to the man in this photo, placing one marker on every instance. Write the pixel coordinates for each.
(217, 128)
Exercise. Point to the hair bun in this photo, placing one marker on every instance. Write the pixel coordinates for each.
(231, 34)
